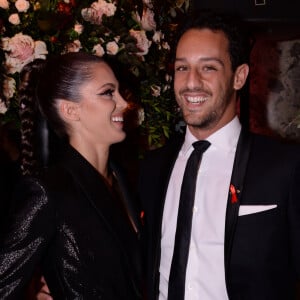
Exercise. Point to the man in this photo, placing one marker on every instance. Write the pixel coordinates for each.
(245, 236)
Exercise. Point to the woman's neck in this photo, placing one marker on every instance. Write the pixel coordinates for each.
(96, 155)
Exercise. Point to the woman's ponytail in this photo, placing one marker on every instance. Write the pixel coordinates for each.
(29, 115)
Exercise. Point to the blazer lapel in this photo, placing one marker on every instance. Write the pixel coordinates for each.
(96, 191)
(132, 211)
(235, 194)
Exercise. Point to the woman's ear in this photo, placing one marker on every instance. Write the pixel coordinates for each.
(68, 110)
(240, 76)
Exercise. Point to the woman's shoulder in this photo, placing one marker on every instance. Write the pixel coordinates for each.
(29, 187)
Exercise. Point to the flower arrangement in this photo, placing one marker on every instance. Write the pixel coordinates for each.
(134, 34)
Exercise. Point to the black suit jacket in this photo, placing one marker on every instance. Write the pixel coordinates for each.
(262, 250)
(71, 224)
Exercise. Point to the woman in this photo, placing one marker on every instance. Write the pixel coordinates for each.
(74, 221)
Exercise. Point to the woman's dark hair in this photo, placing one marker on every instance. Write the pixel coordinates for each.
(233, 27)
(42, 84)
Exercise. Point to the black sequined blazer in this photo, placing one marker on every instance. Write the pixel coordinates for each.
(82, 236)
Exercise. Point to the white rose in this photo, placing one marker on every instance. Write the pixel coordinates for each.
(112, 48)
(14, 19)
(166, 46)
(168, 78)
(78, 28)
(98, 50)
(13, 65)
(3, 108)
(141, 116)
(173, 12)
(37, 6)
(5, 43)
(155, 90)
(9, 87)
(40, 50)
(4, 4)
(157, 37)
(166, 87)
(22, 5)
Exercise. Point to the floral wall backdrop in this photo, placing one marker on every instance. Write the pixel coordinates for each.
(134, 34)
(275, 87)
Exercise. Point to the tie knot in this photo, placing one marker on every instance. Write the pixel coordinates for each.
(201, 146)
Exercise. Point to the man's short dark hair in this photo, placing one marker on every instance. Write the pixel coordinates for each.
(231, 25)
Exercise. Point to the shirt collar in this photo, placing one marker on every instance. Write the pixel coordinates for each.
(225, 138)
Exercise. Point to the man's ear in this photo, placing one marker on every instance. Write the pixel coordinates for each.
(69, 110)
(240, 76)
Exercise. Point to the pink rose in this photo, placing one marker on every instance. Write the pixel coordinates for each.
(98, 50)
(4, 4)
(112, 48)
(75, 46)
(14, 19)
(143, 44)
(109, 9)
(94, 13)
(21, 47)
(20, 50)
(78, 28)
(22, 5)
(148, 22)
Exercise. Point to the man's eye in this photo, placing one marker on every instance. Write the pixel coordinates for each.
(180, 68)
(209, 68)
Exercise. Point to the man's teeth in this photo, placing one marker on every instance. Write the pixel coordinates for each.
(196, 99)
(117, 119)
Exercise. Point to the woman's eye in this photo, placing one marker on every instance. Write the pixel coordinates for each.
(108, 92)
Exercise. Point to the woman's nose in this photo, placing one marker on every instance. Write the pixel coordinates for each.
(121, 102)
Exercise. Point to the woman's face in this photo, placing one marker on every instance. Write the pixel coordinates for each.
(101, 108)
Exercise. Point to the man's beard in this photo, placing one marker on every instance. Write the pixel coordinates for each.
(204, 123)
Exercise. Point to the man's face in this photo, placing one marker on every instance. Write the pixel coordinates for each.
(204, 81)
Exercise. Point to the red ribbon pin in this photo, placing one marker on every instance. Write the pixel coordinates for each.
(234, 198)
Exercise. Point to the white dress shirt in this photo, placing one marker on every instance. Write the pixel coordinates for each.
(205, 276)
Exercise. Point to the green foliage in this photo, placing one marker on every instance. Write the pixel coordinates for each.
(143, 70)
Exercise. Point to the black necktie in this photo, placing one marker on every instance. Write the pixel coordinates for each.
(184, 223)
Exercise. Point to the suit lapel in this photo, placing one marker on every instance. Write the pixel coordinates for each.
(235, 194)
(166, 166)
